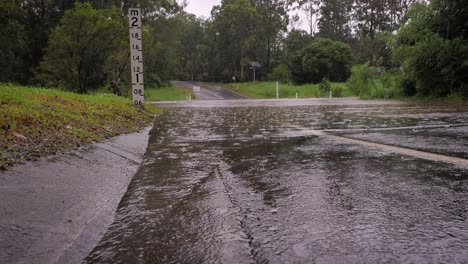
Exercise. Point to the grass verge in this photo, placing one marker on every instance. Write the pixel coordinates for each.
(169, 93)
(35, 122)
(263, 90)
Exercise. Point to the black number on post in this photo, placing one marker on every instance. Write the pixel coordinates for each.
(135, 21)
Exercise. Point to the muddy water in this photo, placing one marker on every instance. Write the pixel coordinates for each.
(245, 185)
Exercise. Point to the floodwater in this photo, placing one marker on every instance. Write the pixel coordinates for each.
(258, 182)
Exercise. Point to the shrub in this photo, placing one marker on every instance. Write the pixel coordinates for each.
(280, 73)
(324, 86)
(407, 87)
(362, 79)
(337, 91)
(433, 49)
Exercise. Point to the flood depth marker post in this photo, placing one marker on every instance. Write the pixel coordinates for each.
(136, 55)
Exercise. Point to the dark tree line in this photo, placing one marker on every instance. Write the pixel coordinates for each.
(82, 46)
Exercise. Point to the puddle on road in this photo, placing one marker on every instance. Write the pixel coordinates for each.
(237, 185)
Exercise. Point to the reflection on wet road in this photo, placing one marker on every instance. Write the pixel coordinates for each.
(248, 184)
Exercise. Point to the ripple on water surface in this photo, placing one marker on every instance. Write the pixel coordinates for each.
(240, 185)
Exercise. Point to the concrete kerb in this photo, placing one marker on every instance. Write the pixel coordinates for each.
(56, 210)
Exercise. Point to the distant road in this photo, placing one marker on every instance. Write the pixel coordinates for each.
(210, 91)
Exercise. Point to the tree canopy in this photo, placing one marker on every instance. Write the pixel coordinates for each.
(433, 49)
(84, 45)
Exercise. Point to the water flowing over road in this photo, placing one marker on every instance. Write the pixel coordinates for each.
(297, 181)
(210, 91)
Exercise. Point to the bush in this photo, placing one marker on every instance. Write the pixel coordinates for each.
(280, 73)
(407, 87)
(324, 86)
(152, 80)
(366, 82)
(362, 78)
(433, 49)
(337, 91)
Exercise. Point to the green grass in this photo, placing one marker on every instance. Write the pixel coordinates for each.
(35, 122)
(262, 90)
(170, 93)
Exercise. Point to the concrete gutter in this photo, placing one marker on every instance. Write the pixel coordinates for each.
(56, 210)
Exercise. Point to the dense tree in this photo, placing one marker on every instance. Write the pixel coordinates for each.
(80, 46)
(233, 27)
(273, 21)
(192, 48)
(13, 47)
(294, 44)
(433, 49)
(327, 59)
(335, 19)
(372, 18)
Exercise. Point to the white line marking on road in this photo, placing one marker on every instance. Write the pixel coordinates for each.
(400, 150)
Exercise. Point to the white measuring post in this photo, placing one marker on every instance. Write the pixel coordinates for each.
(277, 90)
(136, 55)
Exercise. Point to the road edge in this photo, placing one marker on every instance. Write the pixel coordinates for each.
(57, 209)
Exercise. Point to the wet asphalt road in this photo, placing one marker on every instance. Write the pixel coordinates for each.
(210, 91)
(281, 182)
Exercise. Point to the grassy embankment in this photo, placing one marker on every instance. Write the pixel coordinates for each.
(268, 90)
(35, 122)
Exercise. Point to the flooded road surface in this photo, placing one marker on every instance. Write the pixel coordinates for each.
(293, 181)
(209, 91)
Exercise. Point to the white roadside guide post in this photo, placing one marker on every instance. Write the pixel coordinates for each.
(136, 55)
(277, 92)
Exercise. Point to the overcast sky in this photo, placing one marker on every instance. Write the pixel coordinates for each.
(203, 8)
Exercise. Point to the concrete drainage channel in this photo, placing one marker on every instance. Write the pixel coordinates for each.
(56, 210)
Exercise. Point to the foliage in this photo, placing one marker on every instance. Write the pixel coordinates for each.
(338, 91)
(280, 73)
(433, 50)
(241, 30)
(367, 82)
(295, 43)
(268, 90)
(329, 59)
(361, 80)
(80, 46)
(325, 86)
(334, 20)
(430, 44)
(13, 47)
(192, 49)
(36, 122)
